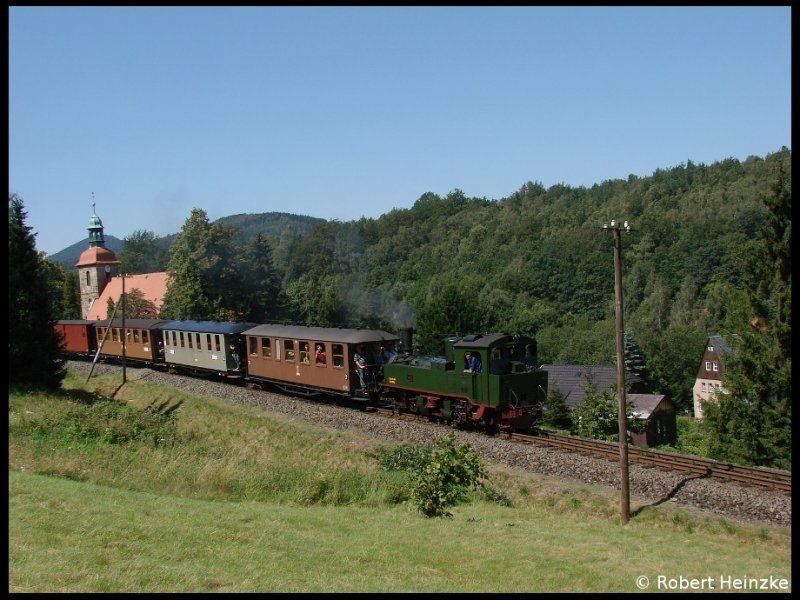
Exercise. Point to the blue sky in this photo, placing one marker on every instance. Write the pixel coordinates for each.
(346, 112)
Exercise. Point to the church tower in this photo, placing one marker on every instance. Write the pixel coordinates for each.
(96, 265)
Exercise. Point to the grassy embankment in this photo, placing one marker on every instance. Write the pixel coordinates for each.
(130, 495)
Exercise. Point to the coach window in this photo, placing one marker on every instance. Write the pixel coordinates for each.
(145, 336)
(114, 334)
(208, 341)
(198, 345)
(288, 350)
(135, 336)
(252, 344)
(266, 350)
(174, 340)
(216, 342)
(338, 355)
(304, 355)
(183, 342)
(189, 339)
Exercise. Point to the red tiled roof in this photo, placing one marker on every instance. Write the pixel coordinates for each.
(152, 285)
(97, 255)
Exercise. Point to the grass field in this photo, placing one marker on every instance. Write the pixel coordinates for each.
(130, 495)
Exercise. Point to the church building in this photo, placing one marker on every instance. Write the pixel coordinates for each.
(98, 276)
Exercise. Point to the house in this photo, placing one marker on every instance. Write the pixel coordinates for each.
(655, 409)
(711, 373)
(658, 412)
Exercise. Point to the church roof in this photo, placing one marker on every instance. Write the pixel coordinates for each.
(97, 255)
(152, 285)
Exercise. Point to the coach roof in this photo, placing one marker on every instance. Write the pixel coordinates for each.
(228, 327)
(322, 334)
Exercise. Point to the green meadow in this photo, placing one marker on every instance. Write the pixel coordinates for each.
(144, 488)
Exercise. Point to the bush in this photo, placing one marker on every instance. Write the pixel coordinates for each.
(450, 472)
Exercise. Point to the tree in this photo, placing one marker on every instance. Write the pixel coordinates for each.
(142, 252)
(71, 296)
(263, 295)
(597, 416)
(204, 281)
(33, 343)
(556, 413)
(449, 309)
(136, 306)
(635, 363)
(753, 423)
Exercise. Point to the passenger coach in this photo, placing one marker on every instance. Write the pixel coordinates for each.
(309, 359)
(139, 344)
(210, 347)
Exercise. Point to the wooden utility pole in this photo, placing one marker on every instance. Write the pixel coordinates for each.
(625, 502)
(124, 336)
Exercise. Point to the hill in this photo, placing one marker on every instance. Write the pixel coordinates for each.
(273, 225)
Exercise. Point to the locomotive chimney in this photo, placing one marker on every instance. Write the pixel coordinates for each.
(406, 338)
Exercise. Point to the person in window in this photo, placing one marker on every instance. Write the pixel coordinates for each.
(471, 363)
(320, 354)
(361, 367)
(304, 353)
(530, 356)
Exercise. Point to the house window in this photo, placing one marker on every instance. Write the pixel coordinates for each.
(711, 348)
(715, 364)
(704, 387)
(708, 365)
(87, 278)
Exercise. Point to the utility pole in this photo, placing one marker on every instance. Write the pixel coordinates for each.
(124, 335)
(625, 503)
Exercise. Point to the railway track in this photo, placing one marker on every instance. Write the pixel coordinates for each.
(773, 479)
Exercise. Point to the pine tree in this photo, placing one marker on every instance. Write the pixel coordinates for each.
(634, 361)
(556, 412)
(33, 343)
(261, 281)
(753, 423)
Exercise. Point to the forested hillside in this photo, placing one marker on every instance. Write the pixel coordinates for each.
(539, 262)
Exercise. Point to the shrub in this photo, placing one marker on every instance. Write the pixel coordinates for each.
(451, 471)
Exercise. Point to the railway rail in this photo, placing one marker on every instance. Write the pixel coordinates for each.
(773, 479)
